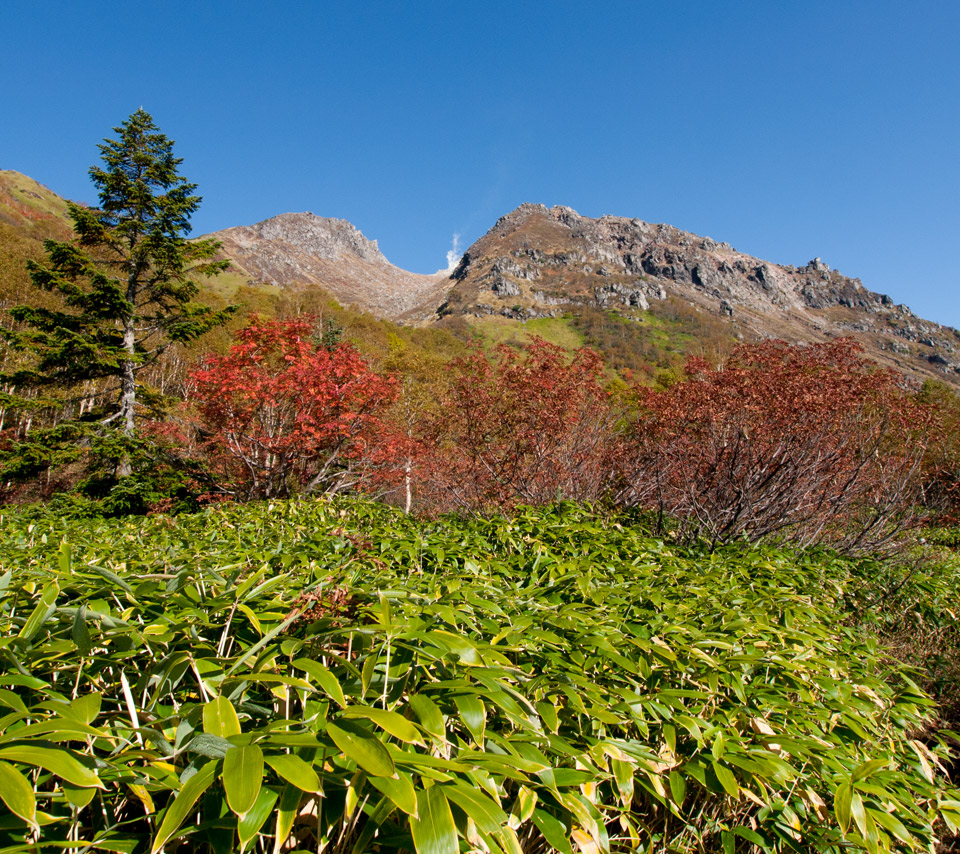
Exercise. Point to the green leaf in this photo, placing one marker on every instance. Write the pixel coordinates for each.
(243, 777)
(87, 707)
(182, 805)
(553, 830)
(77, 796)
(485, 813)
(211, 746)
(458, 645)
(841, 805)
(286, 815)
(858, 812)
(17, 793)
(434, 831)
(325, 679)
(80, 633)
(249, 826)
(474, 716)
(58, 762)
(294, 770)
(893, 824)
(729, 842)
(727, 780)
(548, 714)
(394, 723)
(399, 790)
(751, 836)
(220, 718)
(678, 787)
(431, 718)
(867, 768)
(41, 613)
(367, 752)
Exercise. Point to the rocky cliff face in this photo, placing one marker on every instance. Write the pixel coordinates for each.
(302, 249)
(538, 262)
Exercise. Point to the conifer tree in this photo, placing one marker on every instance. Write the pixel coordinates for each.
(126, 292)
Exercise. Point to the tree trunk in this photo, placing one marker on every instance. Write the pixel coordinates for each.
(128, 388)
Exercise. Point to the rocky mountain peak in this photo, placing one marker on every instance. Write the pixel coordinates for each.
(300, 250)
(544, 262)
(321, 237)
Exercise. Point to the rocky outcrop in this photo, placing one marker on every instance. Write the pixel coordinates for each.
(301, 249)
(536, 259)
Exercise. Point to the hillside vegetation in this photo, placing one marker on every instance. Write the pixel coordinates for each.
(280, 575)
(334, 675)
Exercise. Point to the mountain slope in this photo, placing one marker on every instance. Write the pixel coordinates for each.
(538, 262)
(29, 214)
(299, 250)
(613, 282)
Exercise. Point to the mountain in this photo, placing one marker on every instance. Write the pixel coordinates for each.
(298, 250)
(29, 214)
(644, 294)
(538, 262)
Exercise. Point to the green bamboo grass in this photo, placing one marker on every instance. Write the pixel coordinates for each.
(336, 676)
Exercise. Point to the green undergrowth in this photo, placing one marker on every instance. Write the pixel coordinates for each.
(333, 675)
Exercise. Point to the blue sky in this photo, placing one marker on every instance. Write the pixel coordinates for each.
(790, 130)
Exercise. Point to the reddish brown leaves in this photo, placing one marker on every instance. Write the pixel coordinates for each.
(520, 427)
(810, 442)
(285, 411)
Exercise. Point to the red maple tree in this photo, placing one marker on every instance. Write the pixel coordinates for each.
(285, 412)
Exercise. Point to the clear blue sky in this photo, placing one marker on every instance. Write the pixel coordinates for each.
(791, 130)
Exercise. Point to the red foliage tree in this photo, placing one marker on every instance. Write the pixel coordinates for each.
(285, 411)
(811, 443)
(526, 426)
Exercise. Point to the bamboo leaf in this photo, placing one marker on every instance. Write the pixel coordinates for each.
(368, 752)
(255, 818)
(286, 816)
(727, 780)
(434, 831)
(181, 808)
(17, 793)
(858, 812)
(294, 770)
(325, 679)
(80, 633)
(399, 790)
(473, 715)
(431, 718)
(553, 830)
(41, 613)
(243, 777)
(841, 805)
(58, 762)
(395, 724)
(220, 718)
(485, 812)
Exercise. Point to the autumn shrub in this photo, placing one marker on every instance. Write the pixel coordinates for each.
(808, 443)
(518, 426)
(283, 412)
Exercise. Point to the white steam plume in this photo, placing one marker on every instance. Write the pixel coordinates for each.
(454, 254)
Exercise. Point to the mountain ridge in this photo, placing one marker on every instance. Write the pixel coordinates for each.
(541, 262)
(538, 263)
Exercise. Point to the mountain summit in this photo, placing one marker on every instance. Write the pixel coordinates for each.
(303, 249)
(538, 262)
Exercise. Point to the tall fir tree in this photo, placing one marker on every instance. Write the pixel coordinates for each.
(126, 286)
